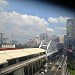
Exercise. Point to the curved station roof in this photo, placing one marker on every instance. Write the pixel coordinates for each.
(11, 54)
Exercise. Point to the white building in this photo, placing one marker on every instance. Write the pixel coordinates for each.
(61, 39)
(8, 46)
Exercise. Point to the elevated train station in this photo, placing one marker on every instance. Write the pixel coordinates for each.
(26, 61)
(22, 61)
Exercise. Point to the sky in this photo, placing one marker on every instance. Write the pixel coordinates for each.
(27, 19)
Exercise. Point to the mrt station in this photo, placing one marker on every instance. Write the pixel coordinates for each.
(22, 61)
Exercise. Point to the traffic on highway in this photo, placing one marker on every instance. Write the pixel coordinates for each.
(54, 65)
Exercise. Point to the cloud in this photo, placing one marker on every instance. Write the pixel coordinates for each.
(61, 28)
(50, 30)
(52, 20)
(23, 24)
(60, 19)
(3, 4)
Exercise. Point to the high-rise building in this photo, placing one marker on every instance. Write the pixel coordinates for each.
(71, 32)
(61, 39)
(43, 37)
(71, 28)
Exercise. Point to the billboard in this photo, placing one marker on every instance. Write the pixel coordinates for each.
(70, 50)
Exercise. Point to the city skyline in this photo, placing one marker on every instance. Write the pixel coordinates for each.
(28, 19)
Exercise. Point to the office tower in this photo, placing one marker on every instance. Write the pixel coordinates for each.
(71, 32)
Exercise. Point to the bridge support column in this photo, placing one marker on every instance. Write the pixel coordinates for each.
(19, 71)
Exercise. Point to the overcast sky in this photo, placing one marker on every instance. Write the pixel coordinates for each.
(27, 19)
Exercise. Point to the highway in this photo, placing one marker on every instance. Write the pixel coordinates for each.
(54, 70)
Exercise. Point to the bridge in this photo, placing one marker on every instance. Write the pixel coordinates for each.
(50, 46)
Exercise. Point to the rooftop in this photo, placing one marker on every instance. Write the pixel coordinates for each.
(11, 54)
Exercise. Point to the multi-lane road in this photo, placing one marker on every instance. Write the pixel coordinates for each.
(55, 70)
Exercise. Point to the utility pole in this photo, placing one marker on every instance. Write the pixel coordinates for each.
(1, 38)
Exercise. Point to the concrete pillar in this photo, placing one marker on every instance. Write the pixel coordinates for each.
(32, 68)
(17, 60)
(28, 70)
(35, 66)
(19, 71)
(38, 64)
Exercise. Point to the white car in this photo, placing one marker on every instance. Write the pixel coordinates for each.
(46, 65)
(50, 63)
(59, 66)
(45, 70)
(42, 73)
(63, 56)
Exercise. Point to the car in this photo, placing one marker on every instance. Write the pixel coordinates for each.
(45, 70)
(46, 65)
(50, 63)
(42, 73)
(63, 56)
(59, 66)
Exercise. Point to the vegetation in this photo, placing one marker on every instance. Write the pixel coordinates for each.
(71, 65)
(72, 72)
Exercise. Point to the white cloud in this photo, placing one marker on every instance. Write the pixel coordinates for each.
(23, 24)
(52, 20)
(60, 19)
(61, 28)
(50, 30)
(3, 4)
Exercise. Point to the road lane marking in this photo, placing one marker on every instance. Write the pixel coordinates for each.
(53, 68)
(56, 71)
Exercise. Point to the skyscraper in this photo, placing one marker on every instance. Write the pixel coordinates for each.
(71, 28)
(43, 36)
(71, 31)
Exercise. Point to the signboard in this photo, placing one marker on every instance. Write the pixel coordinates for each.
(70, 50)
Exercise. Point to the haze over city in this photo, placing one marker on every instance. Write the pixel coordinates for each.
(27, 19)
